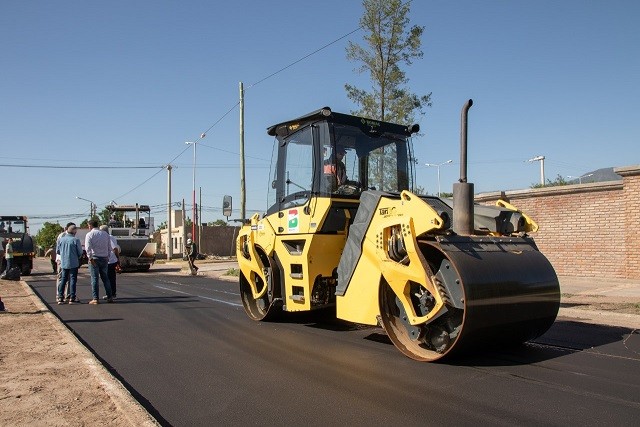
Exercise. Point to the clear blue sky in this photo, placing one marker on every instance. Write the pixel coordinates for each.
(126, 83)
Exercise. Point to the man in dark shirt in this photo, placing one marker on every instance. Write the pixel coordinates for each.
(192, 254)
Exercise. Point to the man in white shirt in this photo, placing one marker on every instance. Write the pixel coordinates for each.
(97, 243)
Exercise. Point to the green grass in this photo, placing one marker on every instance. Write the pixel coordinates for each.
(233, 272)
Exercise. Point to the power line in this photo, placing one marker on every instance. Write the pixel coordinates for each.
(203, 134)
(304, 57)
(78, 167)
(234, 153)
(275, 73)
(140, 185)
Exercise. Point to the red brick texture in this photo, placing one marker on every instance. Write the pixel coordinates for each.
(588, 230)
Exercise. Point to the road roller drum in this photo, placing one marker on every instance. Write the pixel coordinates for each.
(498, 291)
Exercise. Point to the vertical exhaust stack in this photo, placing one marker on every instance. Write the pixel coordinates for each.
(462, 190)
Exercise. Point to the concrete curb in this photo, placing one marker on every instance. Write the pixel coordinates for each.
(131, 409)
(600, 317)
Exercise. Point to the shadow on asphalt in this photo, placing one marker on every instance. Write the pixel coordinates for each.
(39, 273)
(155, 300)
(157, 270)
(114, 319)
(30, 279)
(563, 338)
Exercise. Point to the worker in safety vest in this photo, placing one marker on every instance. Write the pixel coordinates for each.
(335, 166)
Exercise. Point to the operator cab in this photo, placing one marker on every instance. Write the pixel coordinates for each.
(337, 156)
(129, 220)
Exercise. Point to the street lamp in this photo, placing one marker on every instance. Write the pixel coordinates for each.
(580, 177)
(437, 165)
(541, 160)
(92, 207)
(193, 223)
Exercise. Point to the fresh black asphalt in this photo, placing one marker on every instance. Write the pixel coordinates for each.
(188, 352)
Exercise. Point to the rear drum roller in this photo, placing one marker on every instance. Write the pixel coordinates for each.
(497, 292)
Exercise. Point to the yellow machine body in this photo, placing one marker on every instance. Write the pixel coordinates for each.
(304, 255)
(387, 256)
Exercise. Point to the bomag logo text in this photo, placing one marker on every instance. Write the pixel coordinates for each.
(371, 123)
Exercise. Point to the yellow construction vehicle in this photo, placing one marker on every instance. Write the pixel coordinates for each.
(344, 229)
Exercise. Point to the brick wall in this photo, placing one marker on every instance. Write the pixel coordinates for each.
(219, 240)
(586, 229)
(631, 201)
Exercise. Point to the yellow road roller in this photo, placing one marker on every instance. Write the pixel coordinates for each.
(344, 229)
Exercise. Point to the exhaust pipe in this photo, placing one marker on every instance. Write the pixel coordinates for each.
(462, 190)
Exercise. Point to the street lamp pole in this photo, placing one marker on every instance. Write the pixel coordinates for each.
(437, 165)
(92, 207)
(194, 213)
(541, 160)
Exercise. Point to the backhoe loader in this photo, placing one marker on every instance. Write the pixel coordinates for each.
(344, 228)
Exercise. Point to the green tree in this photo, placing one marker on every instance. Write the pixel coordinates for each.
(47, 234)
(218, 223)
(419, 189)
(555, 183)
(389, 44)
(102, 217)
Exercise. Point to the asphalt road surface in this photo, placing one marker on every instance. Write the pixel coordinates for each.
(186, 349)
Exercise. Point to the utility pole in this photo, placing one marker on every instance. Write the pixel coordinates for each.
(169, 228)
(193, 216)
(200, 222)
(243, 197)
(184, 229)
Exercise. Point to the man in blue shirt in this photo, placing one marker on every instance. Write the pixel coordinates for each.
(69, 250)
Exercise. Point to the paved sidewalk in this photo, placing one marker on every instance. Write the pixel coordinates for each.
(614, 302)
(600, 286)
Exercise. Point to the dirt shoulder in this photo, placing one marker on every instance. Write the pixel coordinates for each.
(47, 377)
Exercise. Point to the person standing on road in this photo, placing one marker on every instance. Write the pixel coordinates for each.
(57, 260)
(8, 254)
(114, 261)
(192, 254)
(51, 254)
(1, 257)
(69, 250)
(98, 246)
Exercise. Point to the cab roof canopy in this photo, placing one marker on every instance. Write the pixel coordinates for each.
(12, 218)
(369, 126)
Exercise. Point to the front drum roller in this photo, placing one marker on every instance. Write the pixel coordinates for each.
(266, 306)
(498, 292)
